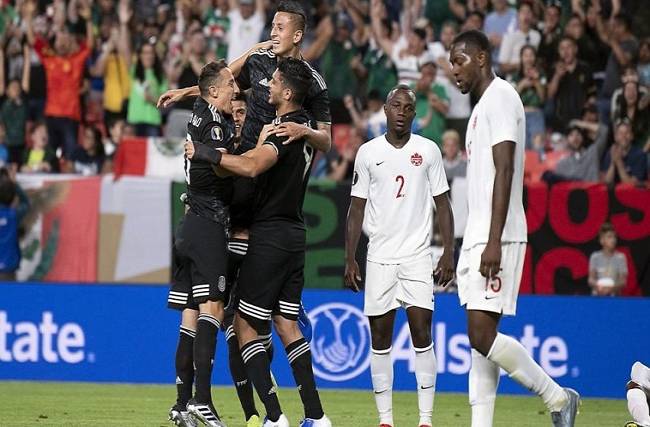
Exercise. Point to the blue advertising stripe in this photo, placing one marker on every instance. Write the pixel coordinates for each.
(125, 333)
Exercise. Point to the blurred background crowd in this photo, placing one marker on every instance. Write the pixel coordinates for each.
(77, 76)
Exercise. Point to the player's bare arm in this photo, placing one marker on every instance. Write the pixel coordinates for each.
(503, 154)
(353, 224)
(174, 95)
(445, 268)
(236, 65)
(320, 139)
(250, 164)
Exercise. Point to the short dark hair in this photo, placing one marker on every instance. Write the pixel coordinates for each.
(571, 39)
(606, 227)
(7, 187)
(210, 74)
(474, 38)
(421, 33)
(240, 96)
(398, 88)
(295, 75)
(294, 8)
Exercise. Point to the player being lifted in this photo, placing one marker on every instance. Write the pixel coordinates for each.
(491, 260)
(272, 274)
(638, 395)
(200, 277)
(397, 178)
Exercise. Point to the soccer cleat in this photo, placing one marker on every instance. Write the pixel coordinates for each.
(205, 413)
(254, 421)
(180, 417)
(322, 422)
(567, 416)
(305, 324)
(281, 422)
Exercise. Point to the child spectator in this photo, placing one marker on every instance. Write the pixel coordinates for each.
(607, 267)
(13, 115)
(12, 212)
(88, 158)
(41, 157)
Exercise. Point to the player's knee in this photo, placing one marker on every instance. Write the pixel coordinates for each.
(421, 337)
(481, 341)
(381, 340)
(287, 329)
(213, 308)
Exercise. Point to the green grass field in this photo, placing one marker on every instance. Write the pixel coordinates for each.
(80, 404)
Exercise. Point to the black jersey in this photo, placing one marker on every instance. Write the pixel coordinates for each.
(256, 73)
(281, 189)
(208, 193)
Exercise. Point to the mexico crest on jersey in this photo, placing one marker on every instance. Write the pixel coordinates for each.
(416, 159)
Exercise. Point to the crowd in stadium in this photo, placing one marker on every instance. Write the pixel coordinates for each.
(77, 76)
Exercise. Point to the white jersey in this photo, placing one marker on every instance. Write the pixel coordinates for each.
(497, 117)
(399, 186)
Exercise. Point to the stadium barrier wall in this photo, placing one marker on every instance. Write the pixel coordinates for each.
(108, 333)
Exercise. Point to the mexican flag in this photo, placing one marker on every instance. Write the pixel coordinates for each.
(152, 157)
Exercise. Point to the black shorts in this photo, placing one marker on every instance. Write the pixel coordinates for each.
(270, 282)
(201, 260)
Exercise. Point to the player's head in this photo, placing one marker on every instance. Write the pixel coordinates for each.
(470, 59)
(607, 236)
(239, 108)
(217, 85)
(400, 109)
(290, 82)
(288, 27)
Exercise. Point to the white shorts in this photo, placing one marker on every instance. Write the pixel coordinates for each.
(498, 295)
(641, 375)
(390, 286)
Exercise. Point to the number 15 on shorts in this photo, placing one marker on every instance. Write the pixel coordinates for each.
(492, 287)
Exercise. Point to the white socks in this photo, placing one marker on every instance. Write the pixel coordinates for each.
(381, 368)
(509, 354)
(483, 384)
(637, 404)
(425, 374)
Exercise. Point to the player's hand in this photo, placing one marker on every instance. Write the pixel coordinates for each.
(189, 149)
(491, 260)
(293, 131)
(445, 269)
(352, 278)
(169, 97)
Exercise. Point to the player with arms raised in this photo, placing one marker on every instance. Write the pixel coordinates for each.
(494, 245)
(397, 177)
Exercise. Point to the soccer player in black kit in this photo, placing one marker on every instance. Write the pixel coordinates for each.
(272, 275)
(201, 248)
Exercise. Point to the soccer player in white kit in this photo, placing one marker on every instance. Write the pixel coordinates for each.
(397, 177)
(638, 395)
(492, 256)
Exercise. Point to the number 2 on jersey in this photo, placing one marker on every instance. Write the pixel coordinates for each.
(400, 179)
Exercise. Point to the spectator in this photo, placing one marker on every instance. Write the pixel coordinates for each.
(13, 116)
(246, 26)
(372, 121)
(13, 207)
(343, 167)
(607, 267)
(582, 164)
(453, 159)
(525, 34)
(431, 96)
(643, 66)
(147, 84)
(590, 47)
(500, 21)
(630, 105)
(41, 157)
(216, 27)
(111, 142)
(88, 158)
(624, 47)
(530, 83)
(376, 68)
(624, 162)
(570, 86)
(551, 34)
(408, 53)
(474, 21)
(64, 69)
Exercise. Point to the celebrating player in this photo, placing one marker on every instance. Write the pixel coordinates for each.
(276, 251)
(638, 395)
(399, 175)
(201, 248)
(491, 261)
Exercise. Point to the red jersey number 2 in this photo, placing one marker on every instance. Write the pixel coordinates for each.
(400, 179)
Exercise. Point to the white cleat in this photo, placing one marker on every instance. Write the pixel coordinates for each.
(281, 422)
(322, 422)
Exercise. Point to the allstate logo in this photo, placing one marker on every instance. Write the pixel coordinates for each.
(341, 343)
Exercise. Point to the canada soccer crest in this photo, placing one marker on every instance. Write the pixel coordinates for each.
(416, 159)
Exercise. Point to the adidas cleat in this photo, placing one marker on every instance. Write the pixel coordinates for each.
(205, 413)
(567, 416)
(322, 422)
(179, 415)
(281, 422)
(254, 421)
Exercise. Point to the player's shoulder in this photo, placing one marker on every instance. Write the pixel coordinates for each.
(262, 55)
(503, 91)
(318, 82)
(424, 144)
(370, 146)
